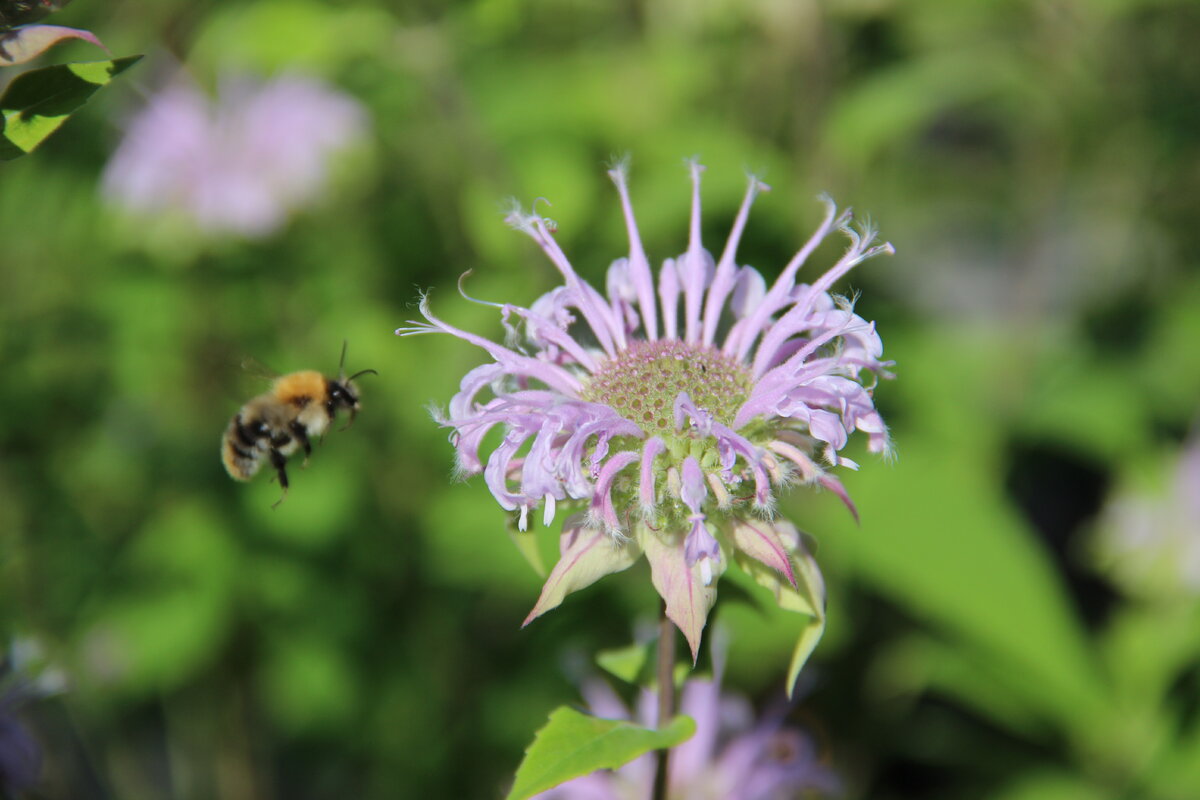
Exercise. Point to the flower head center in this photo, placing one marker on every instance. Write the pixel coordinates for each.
(644, 380)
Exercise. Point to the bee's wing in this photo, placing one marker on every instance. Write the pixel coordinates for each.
(256, 369)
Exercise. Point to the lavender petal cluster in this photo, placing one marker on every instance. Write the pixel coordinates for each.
(238, 164)
(671, 409)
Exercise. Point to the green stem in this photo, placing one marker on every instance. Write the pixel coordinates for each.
(666, 697)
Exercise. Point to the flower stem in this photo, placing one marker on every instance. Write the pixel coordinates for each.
(666, 697)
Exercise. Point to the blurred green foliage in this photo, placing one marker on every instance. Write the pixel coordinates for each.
(1033, 163)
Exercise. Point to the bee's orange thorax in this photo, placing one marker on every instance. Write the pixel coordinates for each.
(301, 388)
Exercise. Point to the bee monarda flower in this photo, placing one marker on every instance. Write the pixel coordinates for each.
(672, 410)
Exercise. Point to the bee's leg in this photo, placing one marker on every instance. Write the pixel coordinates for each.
(301, 434)
(279, 462)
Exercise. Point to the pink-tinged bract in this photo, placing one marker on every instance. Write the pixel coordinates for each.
(670, 410)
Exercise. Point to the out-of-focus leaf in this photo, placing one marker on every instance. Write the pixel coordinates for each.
(940, 537)
(635, 664)
(25, 44)
(627, 663)
(308, 683)
(173, 612)
(920, 664)
(286, 34)
(1052, 786)
(572, 744)
(900, 102)
(36, 103)
(809, 636)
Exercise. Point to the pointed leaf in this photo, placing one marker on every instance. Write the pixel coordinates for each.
(759, 540)
(588, 555)
(807, 642)
(37, 102)
(27, 43)
(682, 588)
(807, 594)
(573, 744)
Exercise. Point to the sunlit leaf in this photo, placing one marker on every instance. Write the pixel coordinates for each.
(572, 744)
(36, 103)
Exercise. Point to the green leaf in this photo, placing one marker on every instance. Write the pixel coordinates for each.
(628, 663)
(761, 545)
(940, 537)
(573, 744)
(635, 664)
(1050, 785)
(809, 636)
(37, 102)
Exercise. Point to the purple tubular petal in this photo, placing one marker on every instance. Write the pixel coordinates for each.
(570, 458)
(733, 442)
(513, 363)
(700, 543)
(544, 330)
(700, 700)
(652, 449)
(859, 251)
(695, 266)
(685, 409)
(776, 296)
(694, 489)
(809, 471)
(602, 505)
(769, 391)
(597, 313)
(537, 472)
(496, 472)
(622, 295)
(639, 265)
(726, 270)
(668, 291)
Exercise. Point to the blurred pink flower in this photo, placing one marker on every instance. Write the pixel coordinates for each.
(672, 410)
(238, 164)
(1152, 544)
(732, 756)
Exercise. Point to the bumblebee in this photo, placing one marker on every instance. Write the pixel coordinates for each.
(271, 427)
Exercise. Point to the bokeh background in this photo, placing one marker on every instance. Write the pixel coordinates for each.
(1018, 613)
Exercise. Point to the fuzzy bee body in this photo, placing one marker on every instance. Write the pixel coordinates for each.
(273, 426)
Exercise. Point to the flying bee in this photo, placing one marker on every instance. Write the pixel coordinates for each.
(298, 408)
